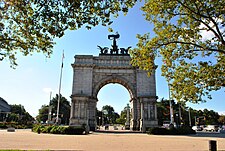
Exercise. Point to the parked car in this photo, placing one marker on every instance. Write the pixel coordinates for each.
(197, 128)
(211, 128)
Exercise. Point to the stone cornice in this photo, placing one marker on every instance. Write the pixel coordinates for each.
(148, 96)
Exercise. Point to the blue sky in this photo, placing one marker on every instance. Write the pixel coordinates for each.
(35, 76)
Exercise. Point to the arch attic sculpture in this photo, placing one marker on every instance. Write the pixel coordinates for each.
(91, 73)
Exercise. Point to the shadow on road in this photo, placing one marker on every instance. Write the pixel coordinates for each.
(118, 131)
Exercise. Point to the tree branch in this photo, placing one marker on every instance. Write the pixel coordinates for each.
(217, 29)
(189, 43)
(199, 14)
(218, 33)
(2, 54)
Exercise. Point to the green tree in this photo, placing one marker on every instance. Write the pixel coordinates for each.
(99, 116)
(211, 117)
(163, 111)
(64, 108)
(221, 119)
(109, 114)
(19, 114)
(204, 117)
(29, 26)
(43, 114)
(189, 37)
(122, 117)
(180, 112)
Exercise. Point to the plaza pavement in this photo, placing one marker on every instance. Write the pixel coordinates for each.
(27, 140)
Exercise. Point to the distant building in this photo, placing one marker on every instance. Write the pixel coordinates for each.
(4, 106)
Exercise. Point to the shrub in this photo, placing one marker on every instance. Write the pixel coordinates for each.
(46, 129)
(37, 127)
(3, 126)
(16, 125)
(75, 130)
(158, 131)
(59, 129)
(184, 130)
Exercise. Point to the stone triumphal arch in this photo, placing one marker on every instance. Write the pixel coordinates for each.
(91, 73)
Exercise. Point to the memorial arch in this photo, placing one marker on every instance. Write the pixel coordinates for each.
(91, 73)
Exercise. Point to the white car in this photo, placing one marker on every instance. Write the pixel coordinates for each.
(211, 128)
(197, 128)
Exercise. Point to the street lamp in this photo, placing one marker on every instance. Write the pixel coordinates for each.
(127, 124)
(99, 121)
(189, 115)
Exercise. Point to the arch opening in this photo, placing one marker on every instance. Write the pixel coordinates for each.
(115, 95)
(113, 100)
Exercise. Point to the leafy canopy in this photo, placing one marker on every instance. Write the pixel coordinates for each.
(64, 110)
(189, 37)
(29, 26)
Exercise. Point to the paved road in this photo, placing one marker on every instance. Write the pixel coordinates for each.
(27, 140)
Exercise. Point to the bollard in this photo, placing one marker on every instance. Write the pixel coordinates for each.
(212, 145)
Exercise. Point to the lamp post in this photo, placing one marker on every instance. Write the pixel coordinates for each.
(189, 115)
(104, 112)
(171, 108)
(60, 82)
(127, 124)
(102, 119)
(49, 109)
(99, 121)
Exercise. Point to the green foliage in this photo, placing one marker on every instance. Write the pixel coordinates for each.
(64, 110)
(109, 114)
(69, 130)
(123, 116)
(189, 37)
(221, 119)
(201, 117)
(19, 115)
(184, 130)
(37, 127)
(43, 113)
(204, 117)
(158, 131)
(29, 26)
(16, 125)
(121, 121)
(57, 130)
(163, 110)
(3, 125)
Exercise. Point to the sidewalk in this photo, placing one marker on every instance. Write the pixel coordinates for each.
(27, 140)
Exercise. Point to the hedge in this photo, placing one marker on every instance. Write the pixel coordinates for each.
(69, 130)
(184, 130)
(5, 125)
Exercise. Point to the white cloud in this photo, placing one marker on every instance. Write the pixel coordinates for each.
(221, 112)
(47, 90)
(206, 35)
